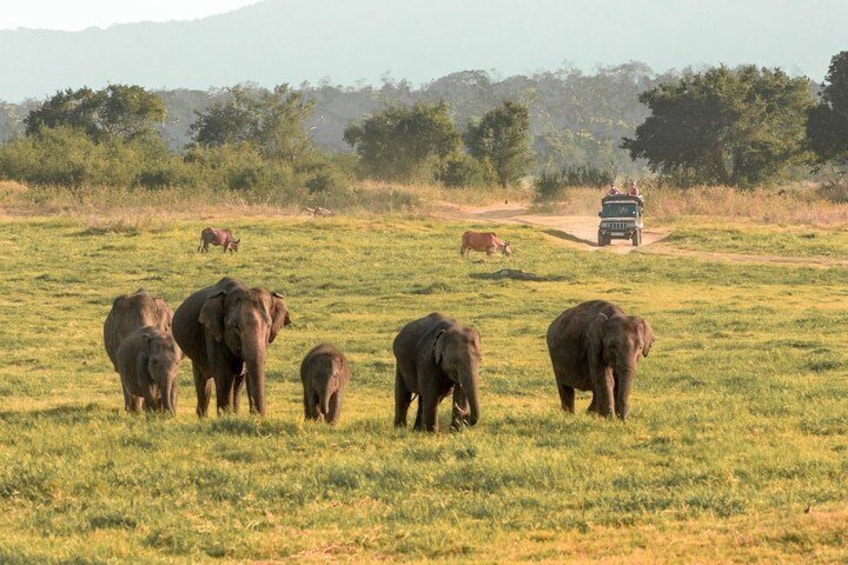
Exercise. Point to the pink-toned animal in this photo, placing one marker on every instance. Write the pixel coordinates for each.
(217, 236)
(483, 241)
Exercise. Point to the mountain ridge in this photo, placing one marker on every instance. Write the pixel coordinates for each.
(353, 43)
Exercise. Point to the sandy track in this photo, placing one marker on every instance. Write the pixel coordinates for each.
(582, 232)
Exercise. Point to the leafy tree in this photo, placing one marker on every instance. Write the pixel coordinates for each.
(732, 127)
(827, 122)
(501, 142)
(272, 121)
(117, 111)
(401, 143)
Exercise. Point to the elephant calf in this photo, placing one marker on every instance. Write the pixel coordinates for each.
(130, 312)
(594, 346)
(325, 373)
(148, 360)
(436, 355)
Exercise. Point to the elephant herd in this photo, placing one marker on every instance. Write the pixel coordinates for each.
(226, 328)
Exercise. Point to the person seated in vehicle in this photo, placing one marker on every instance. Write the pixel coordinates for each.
(633, 190)
(612, 190)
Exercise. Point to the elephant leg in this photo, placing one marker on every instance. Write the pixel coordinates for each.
(428, 412)
(203, 386)
(403, 398)
(566, 397)
(310, 405)
(127, 396)
(602, 400)
(335, 408)
(224, 385)
(237, 382)
(417, 425)
(136, 404)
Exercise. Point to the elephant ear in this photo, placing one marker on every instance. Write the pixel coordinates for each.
(647, 336)
(439, 347)
(279, 315)
(595, 338)
(212, 316)
(164, 314)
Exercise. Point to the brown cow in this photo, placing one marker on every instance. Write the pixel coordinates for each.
(483, 241)
(217, 236)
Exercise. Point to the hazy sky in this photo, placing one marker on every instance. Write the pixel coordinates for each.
(74, 15)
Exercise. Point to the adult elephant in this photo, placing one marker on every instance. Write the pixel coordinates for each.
(225, 330)
(595, 346)
(130, 312)
(436, 355)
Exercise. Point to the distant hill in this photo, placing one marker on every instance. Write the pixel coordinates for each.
(357, 42)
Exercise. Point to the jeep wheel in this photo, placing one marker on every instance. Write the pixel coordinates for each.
(601, 239)
(637, 238)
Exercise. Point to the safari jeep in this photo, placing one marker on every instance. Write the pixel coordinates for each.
(621, 218)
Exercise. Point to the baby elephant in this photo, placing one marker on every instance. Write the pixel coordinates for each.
(325, 374)
(217, 236)
(148, 360)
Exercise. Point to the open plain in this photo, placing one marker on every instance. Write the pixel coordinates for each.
(736, 449)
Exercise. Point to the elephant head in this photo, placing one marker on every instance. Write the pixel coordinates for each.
(457, 352)
(241, 322)
(615, 343)
(158, 366)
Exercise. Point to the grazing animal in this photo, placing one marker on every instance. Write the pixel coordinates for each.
(483, 241)
(594, 346)
(217, 236)
(325, 373)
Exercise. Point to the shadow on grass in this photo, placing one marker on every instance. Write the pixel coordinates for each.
(559, 234)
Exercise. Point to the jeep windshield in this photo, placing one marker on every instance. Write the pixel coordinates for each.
(619, 210)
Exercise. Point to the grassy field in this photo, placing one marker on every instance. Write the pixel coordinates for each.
(736, 450)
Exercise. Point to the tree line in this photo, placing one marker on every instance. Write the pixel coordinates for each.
(738, 127)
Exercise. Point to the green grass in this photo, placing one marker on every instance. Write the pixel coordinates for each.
(738, 416)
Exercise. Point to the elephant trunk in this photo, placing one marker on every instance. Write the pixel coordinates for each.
(623, 382)
(168, 390)
(324, 403)
(468, 381)
(256, 383)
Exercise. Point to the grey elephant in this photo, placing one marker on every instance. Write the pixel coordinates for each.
(148, 360)
(225, 330)
(325, 374)
(130, 312)
(436, 355)
(595, 346)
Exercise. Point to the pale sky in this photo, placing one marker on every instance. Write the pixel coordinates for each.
(75, 15)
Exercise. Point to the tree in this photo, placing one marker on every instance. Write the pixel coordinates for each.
(401, 143)
(501, 142)
(117, 111)
(732, 127)
(827, 122)
(272, 121)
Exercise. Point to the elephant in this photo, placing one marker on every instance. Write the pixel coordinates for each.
(225, 330)
(595, 346)
(436, 355)
(130, 312)
(325, 374)
(148, 360)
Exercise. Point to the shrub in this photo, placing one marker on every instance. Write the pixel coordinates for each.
(549, 183)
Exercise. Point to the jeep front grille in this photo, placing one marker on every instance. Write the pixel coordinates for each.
(618, 226)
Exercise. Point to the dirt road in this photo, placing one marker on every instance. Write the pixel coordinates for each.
(582, 232)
